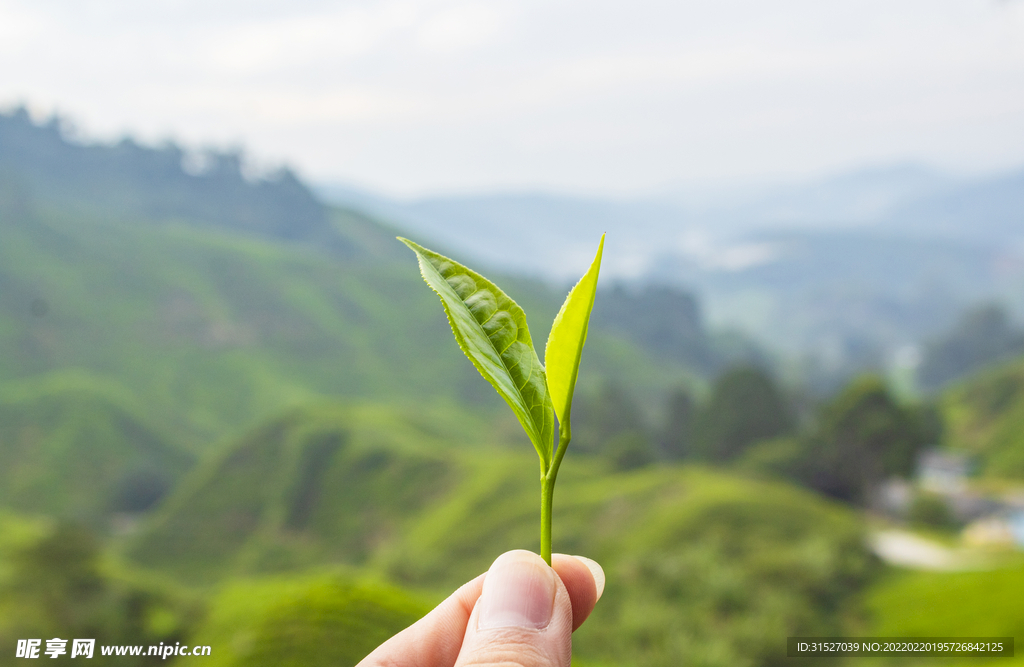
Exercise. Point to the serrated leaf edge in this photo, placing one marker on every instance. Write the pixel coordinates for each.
(542, 441)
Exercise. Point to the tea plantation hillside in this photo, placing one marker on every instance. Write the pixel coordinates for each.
(985, 416)
(55, 581)
(320, 484)
(74, 448)
(986, 603)
(701, 564)
(216, 296)
(333, 617)
(212, 331)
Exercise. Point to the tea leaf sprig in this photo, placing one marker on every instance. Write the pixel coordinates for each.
(491, 330)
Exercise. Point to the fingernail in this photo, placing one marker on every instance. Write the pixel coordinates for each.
(596, 570)
(519, 592)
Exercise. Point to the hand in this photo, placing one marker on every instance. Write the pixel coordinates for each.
(520, 612)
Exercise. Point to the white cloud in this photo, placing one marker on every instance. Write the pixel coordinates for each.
(19, 29)
(463, 27)
(415, 95)
(333, 37)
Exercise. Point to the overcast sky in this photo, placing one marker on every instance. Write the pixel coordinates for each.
(563, 95)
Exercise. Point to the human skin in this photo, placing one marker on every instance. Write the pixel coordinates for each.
(519, 613)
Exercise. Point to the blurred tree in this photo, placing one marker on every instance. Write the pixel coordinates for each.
(56, 587)
(629, 450)
(664, 321)
(58, 578)
(864, 436)
(982, 336)
(676, 437)
(602, 416)
(745, 406)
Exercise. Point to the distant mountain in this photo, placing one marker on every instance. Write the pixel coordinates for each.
(847, 293)
(982, 337)
(128, 181)
(545, 236)
(845, 270)
(531, 231)
(859, 198)
(986, 210)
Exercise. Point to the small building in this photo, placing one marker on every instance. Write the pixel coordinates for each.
(941, 472)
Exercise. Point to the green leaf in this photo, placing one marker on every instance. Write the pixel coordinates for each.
(565, 343)
(491, 329)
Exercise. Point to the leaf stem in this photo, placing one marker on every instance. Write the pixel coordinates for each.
(547, 492)
(564, 436)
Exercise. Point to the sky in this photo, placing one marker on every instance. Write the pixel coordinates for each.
(411, 98)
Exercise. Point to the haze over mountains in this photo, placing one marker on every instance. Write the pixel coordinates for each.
(852, 272)
(902, 200)
(848, 269)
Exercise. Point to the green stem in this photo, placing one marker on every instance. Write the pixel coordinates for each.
(547, 494)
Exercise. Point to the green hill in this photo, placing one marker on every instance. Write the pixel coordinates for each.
(212, 331)
(324, 618)
(217, 298)
(702, 565)
(258, 504)
(73, 448)
(985, 416)
(949, 604)
(55, 582)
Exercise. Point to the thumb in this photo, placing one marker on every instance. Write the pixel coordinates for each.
(523, 616)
